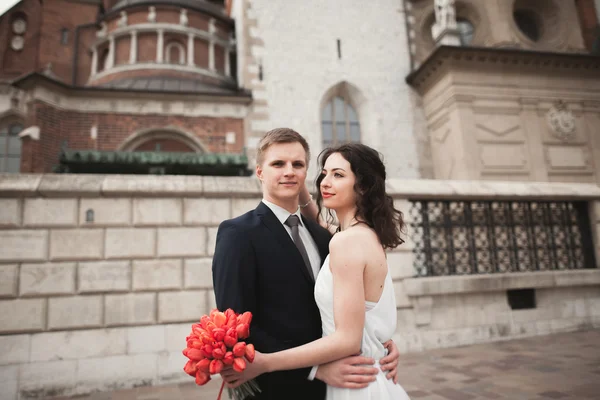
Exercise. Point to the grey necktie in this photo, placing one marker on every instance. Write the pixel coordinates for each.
(293, 222)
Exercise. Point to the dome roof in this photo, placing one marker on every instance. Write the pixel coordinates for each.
(200, 5)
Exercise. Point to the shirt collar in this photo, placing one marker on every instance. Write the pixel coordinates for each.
(281, 213)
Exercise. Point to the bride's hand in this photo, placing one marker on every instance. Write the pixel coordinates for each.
(254, 369)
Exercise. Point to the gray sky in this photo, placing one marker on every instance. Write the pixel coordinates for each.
(6, 4)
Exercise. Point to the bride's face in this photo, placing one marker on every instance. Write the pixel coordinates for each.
(337, 186)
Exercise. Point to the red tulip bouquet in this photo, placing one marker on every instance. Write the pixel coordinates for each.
(214, 343)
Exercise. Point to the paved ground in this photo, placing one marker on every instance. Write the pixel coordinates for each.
(561, 366)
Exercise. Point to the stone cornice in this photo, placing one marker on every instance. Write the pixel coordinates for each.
(444, 56)
(73, 185)
(35, 79)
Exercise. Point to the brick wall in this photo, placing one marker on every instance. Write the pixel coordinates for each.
(58, 125)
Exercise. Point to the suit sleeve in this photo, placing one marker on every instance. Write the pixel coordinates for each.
(234, 277)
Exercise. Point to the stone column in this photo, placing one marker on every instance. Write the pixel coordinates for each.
(133, 48)
(190, 50)
(110, 62)
(94, 61)
(160, 47)
(211, 46)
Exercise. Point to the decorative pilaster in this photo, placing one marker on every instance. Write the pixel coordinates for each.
(190, 50)
(160, 47)
(227, 61)
(211, 46)
(133, 48)
(110, 60)
(94, 61)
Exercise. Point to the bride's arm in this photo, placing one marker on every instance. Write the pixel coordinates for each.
(347, 264)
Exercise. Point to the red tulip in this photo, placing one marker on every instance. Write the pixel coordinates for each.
(202, 378)
(218, 334)
(239, 349)
(185, 351)
(228, 359)
(195, 354)
(239, 364)
(218, 353)
(229, 341)
(243, 331)
(204, 321)
(190, 368)
(206, 339)
(246, 318)
(215, 367)
(210, 326)
(207, 350)
(203, 365)
(250, 353)
(219, 319)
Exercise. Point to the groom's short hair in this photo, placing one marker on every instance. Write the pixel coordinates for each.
(280, 135)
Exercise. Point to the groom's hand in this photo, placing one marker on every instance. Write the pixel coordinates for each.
(390, 362)
(351, 372)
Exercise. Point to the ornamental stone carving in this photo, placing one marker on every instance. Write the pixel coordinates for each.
(561, 121)
(183, 18)
(123, 20)
(152, 14)
(445, 30)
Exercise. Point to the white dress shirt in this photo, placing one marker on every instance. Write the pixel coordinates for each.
(309, 243)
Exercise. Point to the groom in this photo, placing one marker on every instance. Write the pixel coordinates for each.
(266, 262)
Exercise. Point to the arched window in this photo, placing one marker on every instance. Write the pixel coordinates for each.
(10, 147)
(103, 60)
(175, 53)
(339, 122)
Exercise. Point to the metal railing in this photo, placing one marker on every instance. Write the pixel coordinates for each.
(477, 237)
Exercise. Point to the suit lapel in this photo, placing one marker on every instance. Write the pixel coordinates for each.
(272, 223)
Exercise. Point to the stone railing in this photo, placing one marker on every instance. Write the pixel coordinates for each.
(101, 276)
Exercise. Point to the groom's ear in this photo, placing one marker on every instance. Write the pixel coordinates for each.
(259, 172)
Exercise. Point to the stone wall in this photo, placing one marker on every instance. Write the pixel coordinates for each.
(101, 277)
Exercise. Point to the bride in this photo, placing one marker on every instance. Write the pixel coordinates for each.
(354, 290)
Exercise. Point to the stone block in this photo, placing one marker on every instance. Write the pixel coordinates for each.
(130, 309)
(105, 212)
(181, 242)
(242, 206)
(10, 213)
(181, 306)
(148, 339)
(48, 278)
(74, 345)
(19, 185)
(50, 212)
(14, 349)
(79, 185)
(212, 240)
(406, 320)
(74, 312)
(400, 264)
(76, 244)
(22, 315)
(169, 367)
(23, 245)
(198, 273)
(8, 280)
(235, 186)
(47, 379)
(422, 307)
(402, 300)
(212, 300)
(404, 206)
(596, 211)
(130, 242)
(157, 211)
(206, 211)
(117, 370)
(174, 334)
(9, 382)
(154, 186)
(104, 276)
(156, 274)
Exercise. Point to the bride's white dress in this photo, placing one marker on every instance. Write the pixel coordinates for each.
(380, 324)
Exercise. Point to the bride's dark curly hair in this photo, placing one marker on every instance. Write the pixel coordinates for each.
(373, 205)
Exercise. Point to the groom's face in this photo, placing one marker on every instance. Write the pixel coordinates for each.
(282, 172)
